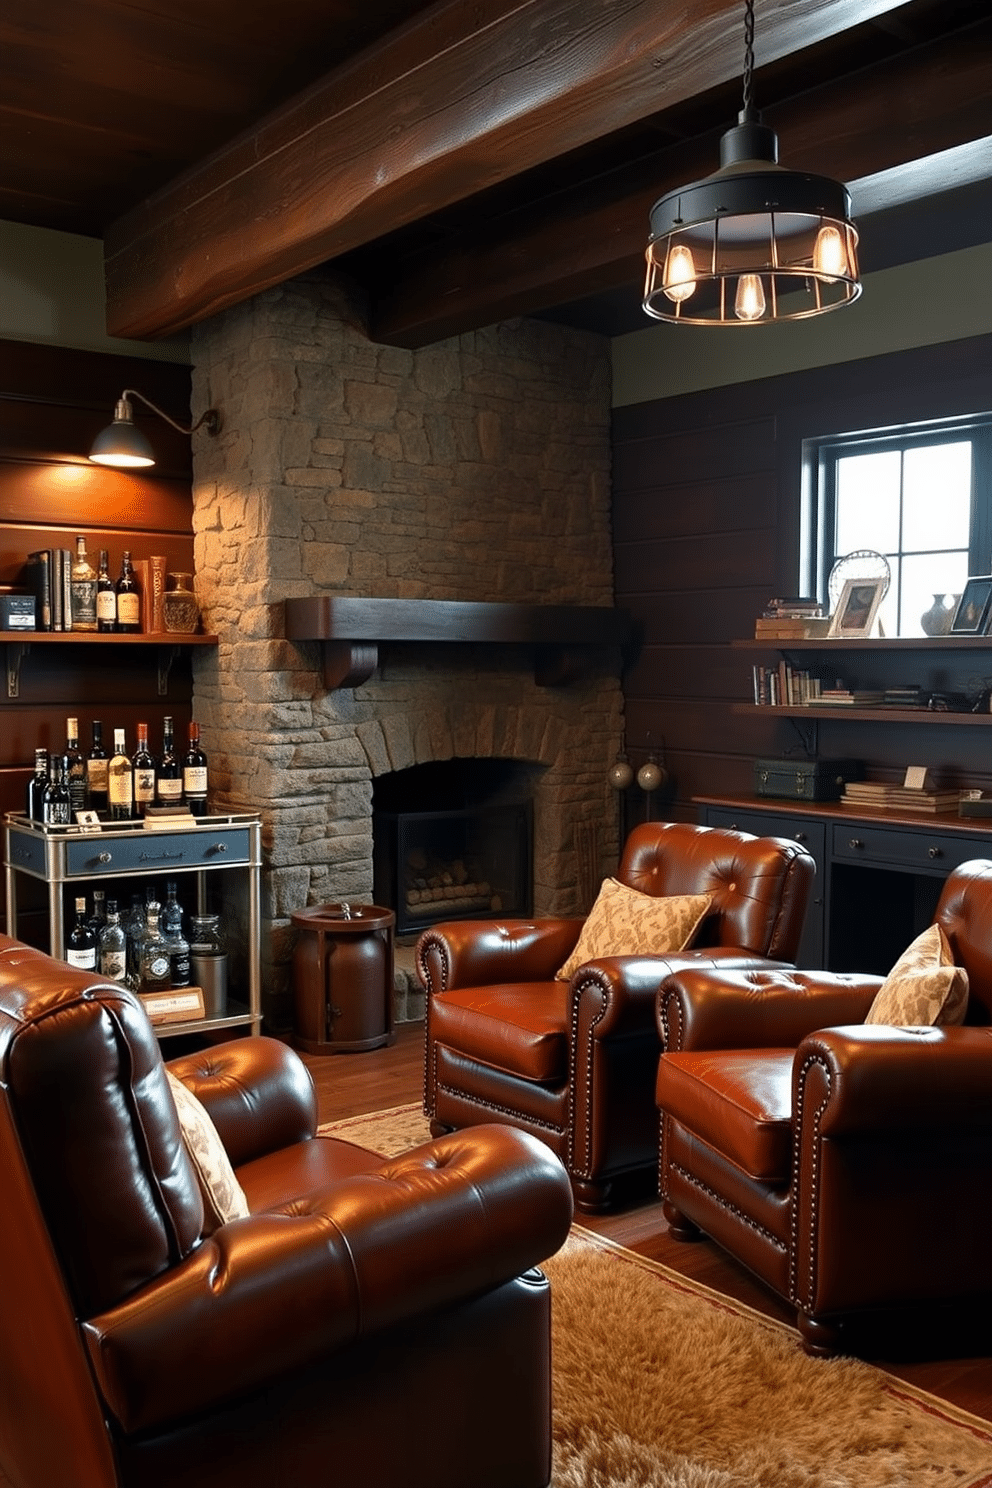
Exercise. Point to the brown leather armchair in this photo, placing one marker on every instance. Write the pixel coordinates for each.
(848, 1165)
(574, 1061)
(303, 1344)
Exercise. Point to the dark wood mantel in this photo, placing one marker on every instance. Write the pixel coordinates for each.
(352, 629)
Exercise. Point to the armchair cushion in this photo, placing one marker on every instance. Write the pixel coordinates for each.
(517, 1027)
(738, 1101)
(924, 988)
(223, 1196)
(625, 922)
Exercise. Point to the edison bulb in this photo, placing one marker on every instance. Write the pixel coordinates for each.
(829, 256)
(680, 274)
(749, 303)
(621, 773)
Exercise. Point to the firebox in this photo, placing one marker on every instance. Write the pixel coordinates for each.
(453, 865)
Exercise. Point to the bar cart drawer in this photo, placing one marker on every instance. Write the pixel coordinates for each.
(920, 851)
(156, 852)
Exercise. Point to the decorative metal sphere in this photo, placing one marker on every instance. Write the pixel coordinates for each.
(650, 775)
(621, 773)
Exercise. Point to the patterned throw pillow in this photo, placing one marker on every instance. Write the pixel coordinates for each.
(924, 988)
(223, 1197)
(625, 922)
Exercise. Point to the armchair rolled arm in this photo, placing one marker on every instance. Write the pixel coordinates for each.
(257, 1091)
(625, 988)
(760, 1008)
(276, 1291)
(875, 1078)
(479, 953)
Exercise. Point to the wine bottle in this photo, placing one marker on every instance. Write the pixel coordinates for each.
(113, 946)
(75, 768)
(55, 811)
(120, 781)
(99, 916)
(37, 785)
(82, 589)
(143, 766)
(106, 597)
(81, 946)
(195, 774)
(128, 598)
(96, 769)
(168, 772)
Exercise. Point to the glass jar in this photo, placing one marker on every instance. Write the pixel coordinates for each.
(206, 938)
(208, 962)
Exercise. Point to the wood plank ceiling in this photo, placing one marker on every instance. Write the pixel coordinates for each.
(463, 161)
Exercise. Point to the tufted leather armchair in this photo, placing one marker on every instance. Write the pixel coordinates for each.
(304, 1344)
(848, 1165)
(575, 1062)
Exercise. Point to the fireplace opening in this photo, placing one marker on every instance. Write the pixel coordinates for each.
(453, 840)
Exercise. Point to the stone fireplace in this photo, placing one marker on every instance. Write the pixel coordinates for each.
(475, 470)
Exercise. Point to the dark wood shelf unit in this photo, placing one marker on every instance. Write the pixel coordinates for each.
(351, 631)
(862, 715)
(96, 638)
(883, 643)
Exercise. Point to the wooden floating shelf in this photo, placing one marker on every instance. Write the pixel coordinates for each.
(19, 642)
(352, 630)
(879, 643)
(863, 715)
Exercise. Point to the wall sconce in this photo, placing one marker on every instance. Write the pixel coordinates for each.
(123, 445)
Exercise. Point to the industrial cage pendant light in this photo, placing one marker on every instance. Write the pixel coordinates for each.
(752, 243)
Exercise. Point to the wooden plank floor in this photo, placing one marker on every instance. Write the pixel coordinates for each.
(351, 1084)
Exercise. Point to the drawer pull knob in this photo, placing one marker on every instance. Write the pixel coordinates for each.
(800, 836)
(935, 852)
(855, 842)
(105, 857)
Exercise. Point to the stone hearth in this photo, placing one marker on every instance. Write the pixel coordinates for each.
(473, 470)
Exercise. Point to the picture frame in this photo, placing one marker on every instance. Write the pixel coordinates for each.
(972, 613)
(857, 607)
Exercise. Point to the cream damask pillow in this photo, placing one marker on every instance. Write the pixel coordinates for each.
(625, 922)
(924, 988)
(223, 1197)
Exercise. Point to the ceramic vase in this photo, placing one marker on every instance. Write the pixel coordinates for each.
(937, 620)
(180, 611)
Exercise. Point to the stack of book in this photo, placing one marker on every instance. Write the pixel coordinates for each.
(911, 696)
(789, 619)
(848, 697)
(899, 797)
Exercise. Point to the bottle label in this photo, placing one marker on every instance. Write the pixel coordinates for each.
(106, 605)
(129, 608)
(144, 785)
(113, 964)
(96, 769)
(119, 789)
(180, 968)
(169, 791)
(83, 604)
(195, 780)
(85, 960)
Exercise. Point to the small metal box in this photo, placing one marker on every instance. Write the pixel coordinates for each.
(805, 780)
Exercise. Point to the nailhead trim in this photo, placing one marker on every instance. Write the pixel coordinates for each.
(728, 1208)
(798, 1121)
(576, 1168)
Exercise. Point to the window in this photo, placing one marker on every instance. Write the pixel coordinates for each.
(920, 495)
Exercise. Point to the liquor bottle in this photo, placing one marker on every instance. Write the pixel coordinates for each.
(120, 781)
(133, 925)
(195, 774)
(37, 785)
(155, 968)
(55, 810)
(143, 766)
(99, 916)
(171, 925)
(80, 948)
(106, 597)
(113, 946)
(76, 767)
(128, 599)
(168, 771)
(96, 769)
(82, 588)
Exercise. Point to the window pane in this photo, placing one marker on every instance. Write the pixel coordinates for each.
(868, 502)
(924, 577)
(937, 497)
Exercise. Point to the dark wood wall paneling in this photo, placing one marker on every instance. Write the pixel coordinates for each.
(706, 504)
(53, 402)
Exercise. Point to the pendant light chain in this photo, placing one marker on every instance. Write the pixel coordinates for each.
(748, 54)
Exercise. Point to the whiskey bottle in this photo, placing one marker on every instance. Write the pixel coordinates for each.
(171, 925)
(76, 768)
(99, 916)
(143, 766)
(128, 599)
(96, 769)
(120, 781)
(37, 785)
(81, 946)
(55, 811)
(106, 597)
(155, 973)
(82, 588)
(113, 946)
(195, 774)
(168, 772)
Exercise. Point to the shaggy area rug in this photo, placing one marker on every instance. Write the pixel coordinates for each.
(662, 1383)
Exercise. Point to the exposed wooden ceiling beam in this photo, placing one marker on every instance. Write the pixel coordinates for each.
(471, 93)
(592, 238)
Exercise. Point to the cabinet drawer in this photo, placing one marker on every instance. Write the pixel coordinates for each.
(920, 851)
(156, 852)
(811, 834)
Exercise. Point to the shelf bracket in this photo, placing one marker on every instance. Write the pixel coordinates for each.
(166, 656)
(809, 735)
(16, 652)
